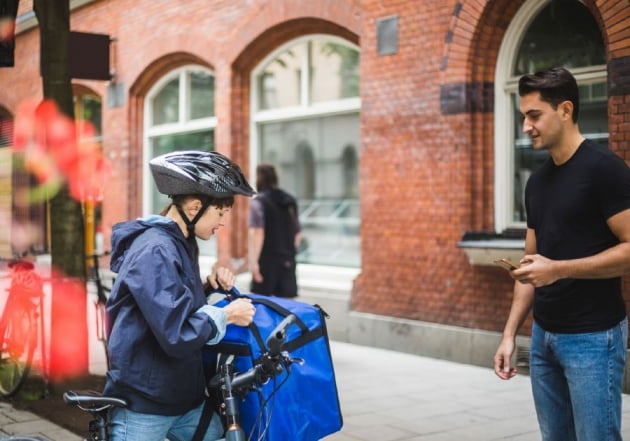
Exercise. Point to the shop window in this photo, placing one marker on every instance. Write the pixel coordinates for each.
(179, 115)
(305, 115)
(543, 35)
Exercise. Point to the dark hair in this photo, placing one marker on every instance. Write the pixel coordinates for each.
(217, 202)
(266, 177)
(555, 86)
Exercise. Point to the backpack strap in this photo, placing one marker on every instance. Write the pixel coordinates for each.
(204, 420)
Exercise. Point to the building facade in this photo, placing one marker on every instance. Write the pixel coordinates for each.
(394, 123)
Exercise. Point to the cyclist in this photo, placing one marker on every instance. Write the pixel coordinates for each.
(159, 318)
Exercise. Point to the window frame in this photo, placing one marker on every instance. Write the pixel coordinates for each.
(184, 123)
(305, 109)
(504, 86)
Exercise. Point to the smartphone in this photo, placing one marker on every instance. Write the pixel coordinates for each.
(507, 264)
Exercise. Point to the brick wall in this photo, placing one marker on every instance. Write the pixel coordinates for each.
(427, 124)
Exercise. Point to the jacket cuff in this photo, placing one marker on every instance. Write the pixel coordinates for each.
(219, 318)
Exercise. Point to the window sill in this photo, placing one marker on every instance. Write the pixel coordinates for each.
(483, 248)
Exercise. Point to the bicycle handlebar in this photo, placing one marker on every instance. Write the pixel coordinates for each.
(278, 335)
(271, 362)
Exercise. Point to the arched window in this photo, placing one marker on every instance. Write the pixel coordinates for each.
(543, 34)
(178, 115)
(305, 101)
(88, 107)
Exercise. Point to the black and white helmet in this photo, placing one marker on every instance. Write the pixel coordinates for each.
(197, 172)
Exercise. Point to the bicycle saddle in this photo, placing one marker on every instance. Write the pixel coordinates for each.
(92, 400)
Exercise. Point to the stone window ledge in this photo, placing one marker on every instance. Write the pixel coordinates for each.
(483, 248)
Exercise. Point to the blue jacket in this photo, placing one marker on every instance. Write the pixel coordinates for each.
(155, 328)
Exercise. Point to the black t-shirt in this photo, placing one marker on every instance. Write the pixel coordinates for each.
(567, 206)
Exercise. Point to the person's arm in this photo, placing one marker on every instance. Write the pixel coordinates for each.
(256, 239)
(539, 271)
(239, 312)
(521, 306)
(298, 239)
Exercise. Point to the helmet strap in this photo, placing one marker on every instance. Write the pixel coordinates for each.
(190, 226)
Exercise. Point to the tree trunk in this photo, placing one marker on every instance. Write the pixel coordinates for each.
(66, 218)
(68, 319)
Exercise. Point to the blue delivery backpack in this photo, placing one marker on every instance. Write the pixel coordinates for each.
(301, 403)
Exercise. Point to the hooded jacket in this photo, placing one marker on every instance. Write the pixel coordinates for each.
(156, 329)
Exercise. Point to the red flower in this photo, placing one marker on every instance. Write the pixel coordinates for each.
(47, 139)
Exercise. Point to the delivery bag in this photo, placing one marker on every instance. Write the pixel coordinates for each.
(300, 403)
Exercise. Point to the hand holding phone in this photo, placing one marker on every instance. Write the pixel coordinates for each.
(507, 264)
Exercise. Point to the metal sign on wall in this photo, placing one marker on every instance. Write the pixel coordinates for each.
(89, 56)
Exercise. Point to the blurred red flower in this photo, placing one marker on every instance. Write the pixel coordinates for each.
(47, 140)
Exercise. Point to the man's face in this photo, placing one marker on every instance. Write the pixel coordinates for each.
(541, 121)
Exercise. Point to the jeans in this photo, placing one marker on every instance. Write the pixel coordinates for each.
(127, 425)
(577, 383)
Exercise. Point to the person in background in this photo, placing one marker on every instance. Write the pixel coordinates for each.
(159, 319)
(274, 235)
(577, 246)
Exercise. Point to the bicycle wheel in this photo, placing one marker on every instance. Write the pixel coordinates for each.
(18, 331)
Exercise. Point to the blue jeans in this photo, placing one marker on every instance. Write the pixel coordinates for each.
(127, 425)
(577, 383)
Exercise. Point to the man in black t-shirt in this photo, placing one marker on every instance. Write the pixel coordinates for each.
(577, 247)
(274, 233)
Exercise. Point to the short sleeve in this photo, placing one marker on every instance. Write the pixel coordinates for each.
(256, 214)
(613, 178)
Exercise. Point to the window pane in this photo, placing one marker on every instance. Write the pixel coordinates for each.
(165, 105)
(91, 111)
(201, 95)
(593, 121)
(316, 161)
(335, 71)
(279, 82)
(563, 34)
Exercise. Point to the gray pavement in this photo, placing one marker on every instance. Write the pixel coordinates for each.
(392, 396)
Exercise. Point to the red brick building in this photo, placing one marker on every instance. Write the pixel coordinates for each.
(393, 122)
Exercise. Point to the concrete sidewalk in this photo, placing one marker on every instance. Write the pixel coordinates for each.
(389, 396)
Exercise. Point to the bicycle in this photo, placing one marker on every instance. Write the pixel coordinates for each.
(19, 326)
(102, 293)
(231, 385)
(23, 317)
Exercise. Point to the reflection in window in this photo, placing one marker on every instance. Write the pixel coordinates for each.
(313, 146)
(350, 163)
(309, 166)
(89, 108)
(165, 107)
(564, 33)
(181, 114)
(335, 70)
(279, 83)
(201, 94)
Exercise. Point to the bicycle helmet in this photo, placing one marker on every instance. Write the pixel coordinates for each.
(197, 172)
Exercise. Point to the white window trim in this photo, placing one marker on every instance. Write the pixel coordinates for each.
(305, 109)
(505, 84)
(183, 125)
